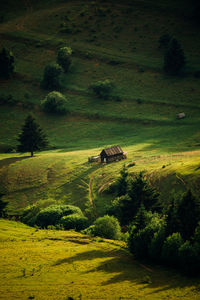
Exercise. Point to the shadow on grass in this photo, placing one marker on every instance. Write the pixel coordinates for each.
(124, 268)
(11, 160)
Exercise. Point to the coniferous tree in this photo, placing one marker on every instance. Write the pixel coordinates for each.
(188, 213)
(32, 137)
(122, 182)
(6, 63)
(141, 192)
(174, 59)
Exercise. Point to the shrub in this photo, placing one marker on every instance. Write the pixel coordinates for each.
(6, 63)
(64, 58)
(102, 88)
(74, 221)
(54, 103)
(52, 215)
(51, 76)
(170, 250)
(30, 214)
(107, 227)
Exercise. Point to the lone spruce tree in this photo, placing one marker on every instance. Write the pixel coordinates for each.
(32, 137)
(174, 59)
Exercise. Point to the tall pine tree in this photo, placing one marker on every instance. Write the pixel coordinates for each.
(32, 137)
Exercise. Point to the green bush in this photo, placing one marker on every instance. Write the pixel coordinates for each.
(170, 250)
(74, 221)
(102, 88)
(30, 214)
(107, 227)
(51, 76)
(54, 103)
(64, 58)
(52, 215)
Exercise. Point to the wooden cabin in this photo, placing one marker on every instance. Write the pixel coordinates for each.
(111, 154)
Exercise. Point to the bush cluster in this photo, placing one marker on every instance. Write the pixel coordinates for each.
(172, 239)
(102, 88)
(59, 216)
(54, 103)
(106, 227)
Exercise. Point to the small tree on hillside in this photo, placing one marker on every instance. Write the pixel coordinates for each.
(188, 213)
(64, 58)
(32, 137)
(6, 63)
(174, 59)
(51, 76)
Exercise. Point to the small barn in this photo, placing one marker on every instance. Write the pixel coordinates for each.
(111, 154)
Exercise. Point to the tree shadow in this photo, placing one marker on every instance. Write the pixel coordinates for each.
(124, 268)
(11, 160)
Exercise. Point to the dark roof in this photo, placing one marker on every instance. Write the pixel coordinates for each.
(113, 151)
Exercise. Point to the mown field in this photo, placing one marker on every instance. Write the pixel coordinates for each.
(84, 268)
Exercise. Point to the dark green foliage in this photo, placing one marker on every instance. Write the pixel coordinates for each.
(30, 214)
(174, 59)
(32, 137)
(170, 250)
(188, 212)
(156, 244)
(51, 76)
(102, 88)
(189, 258)
(173, 222)
(6, 63)
(107, 227)
(138, 193)
(122, 182)
(52, 215)
(3, 205)
(140, 240)
(141, 192)
(7, 99)
(74, 221)
(54, 103)
(64, 58)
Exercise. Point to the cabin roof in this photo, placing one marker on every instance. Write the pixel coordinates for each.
(112, 151)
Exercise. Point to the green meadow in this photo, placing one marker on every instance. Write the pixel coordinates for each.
(41, 264)
(111, 40)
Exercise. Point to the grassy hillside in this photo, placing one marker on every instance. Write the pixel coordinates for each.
(109, 41)
(68, 177)
(41, 264)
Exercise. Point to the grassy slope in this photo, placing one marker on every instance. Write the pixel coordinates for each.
(84, 268)
(147, 129)
(68, 177)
